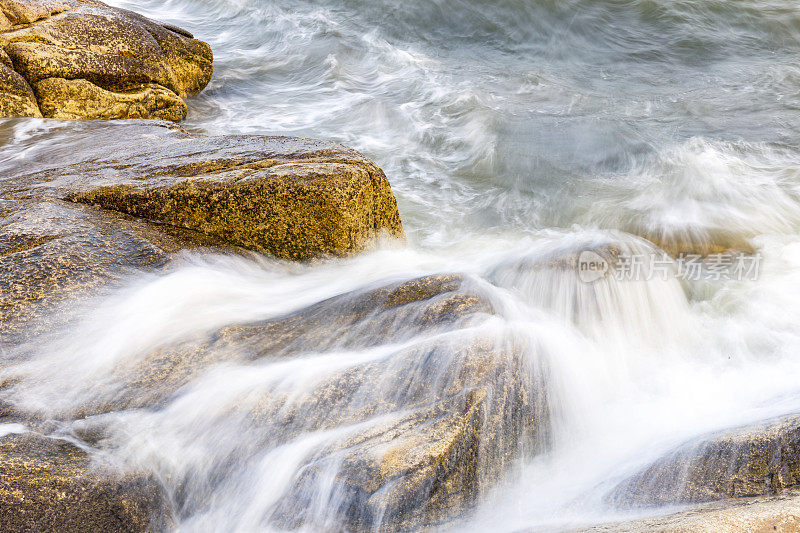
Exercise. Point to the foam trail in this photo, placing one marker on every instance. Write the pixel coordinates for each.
(622, 387)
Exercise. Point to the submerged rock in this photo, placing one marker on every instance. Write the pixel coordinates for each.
(701, 242)
(764, 514)
(430, 448)
(751, 461)
(49, 484)
(415, 435)
(83, 59)
(392, 313)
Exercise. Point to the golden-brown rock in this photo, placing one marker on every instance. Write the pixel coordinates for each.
(294, 198)
(694, 241)
(83, 59)
(430, 448)
(53, 251)
(66, 99)
(49, 484)
(328, 204)
(16, 96)
(750, 461)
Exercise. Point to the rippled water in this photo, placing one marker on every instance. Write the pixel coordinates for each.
(509, 131)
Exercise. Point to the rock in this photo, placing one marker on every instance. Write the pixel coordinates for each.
(422, 433)
(751, 461)
(437, 421)
(84, 59)
(294, 198)
(677, 248)
(66, 99)
(51, 252)
(701, 242)
(444, 444)
(771, 514)
(393, 313)
(16, 96)
(49, 484)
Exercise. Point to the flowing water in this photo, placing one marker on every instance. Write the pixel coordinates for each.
(510, 131)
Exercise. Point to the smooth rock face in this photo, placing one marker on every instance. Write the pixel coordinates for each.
(437, 422)
(293, 198)
(83, 59)
(751, 461)
(49, 484)
(393, 313)
(458, 435)
(423, 449)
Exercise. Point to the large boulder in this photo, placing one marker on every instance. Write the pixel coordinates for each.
(83, 59)
(293, 198)
(779, 514)
(426, 450)
(417, 435)
(49, 484)
(750, 461)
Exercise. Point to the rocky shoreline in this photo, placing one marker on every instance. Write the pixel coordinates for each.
(134, 194)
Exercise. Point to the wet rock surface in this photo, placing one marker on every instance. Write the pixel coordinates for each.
(83, 59)
(51, 252)
(354, 320)
(49, 484)
(764, 514)
(414, 433)
(700, 243)
(756, 460)
(455, 440)
(401, 452)
(294, 198)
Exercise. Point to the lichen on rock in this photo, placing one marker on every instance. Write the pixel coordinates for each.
(84, 59)
(296, 199)
(49, 484)
(750, 461)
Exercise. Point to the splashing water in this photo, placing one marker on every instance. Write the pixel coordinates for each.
(515, 134)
